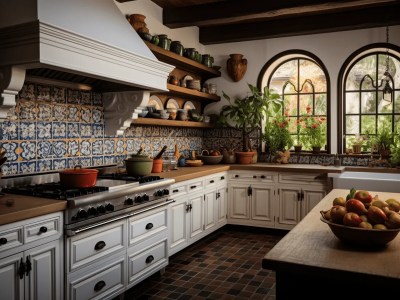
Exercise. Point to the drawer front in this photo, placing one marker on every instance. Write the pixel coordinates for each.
(89, 246)
(195, 185)
(11, 238)
(147, 261)
(178, 190)
(303, 178)
(147, 226)
(102, 283)
(250, 177)
(42, 229)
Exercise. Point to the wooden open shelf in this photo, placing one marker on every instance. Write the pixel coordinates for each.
(192, 94)
(172, 123)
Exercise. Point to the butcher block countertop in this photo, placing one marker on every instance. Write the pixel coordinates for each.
(311, 248)
(15, 208)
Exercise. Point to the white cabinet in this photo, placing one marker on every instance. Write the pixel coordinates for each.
(178, 232)
(34, 270)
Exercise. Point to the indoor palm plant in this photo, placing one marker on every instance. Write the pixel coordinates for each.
(246, 114)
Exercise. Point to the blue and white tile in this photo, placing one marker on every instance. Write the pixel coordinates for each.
(98, 115)
(73, 148)
(85, 147)
(44, 165)
(98, 130)
(97, 160)
(44, 130)
(73, 113)
(12, 150)
(28, 150)
(58, 94)
(27, 92)
(27, 167)
(85, 162)
(120, 159)
(73, 130)
(45, 111)
(10, 168)
(86, 130)
(60, 164)
(26, 110)
(348, 161)
(43, 93)
(120, 146)
(109, 145)
(304, 159)
(59, 148)
(73, 96)
(44, 149)
(9, 130)
(86, 114)
(86, 98)
(109, 159)
(27, 131)
(97, 148)
(130, 145)
(59, 130)
(97, 99)
(59, 112)
(137, 143)
(72, 162)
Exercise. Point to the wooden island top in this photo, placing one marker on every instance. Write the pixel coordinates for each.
(310, 254)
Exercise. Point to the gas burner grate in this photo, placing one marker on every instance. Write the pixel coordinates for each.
(126, 177)
(53, 191)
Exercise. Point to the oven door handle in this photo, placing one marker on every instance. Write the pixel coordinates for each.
(72, 232)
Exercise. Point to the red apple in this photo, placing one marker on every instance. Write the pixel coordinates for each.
(376, 215)
(215, 153)
(363, 196)
(356, 206)
(337, 214)
(352, 219)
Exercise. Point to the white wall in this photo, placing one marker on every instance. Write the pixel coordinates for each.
(332, 48)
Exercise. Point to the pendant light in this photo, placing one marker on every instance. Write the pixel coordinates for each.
(387, 90)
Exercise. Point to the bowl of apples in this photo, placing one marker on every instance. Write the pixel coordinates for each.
(363, 220)
(212, 157)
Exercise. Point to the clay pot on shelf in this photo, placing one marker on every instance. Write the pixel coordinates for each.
(137, 22)
(236, 66)
(164, 42)
(177, 47)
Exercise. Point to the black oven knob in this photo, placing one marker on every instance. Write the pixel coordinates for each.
(92, 211)
(146, 197)
(165, 192)
(109, 207)
(159, 193)
(129, 201)
(82, 214)
(101, 209)
(138, 199)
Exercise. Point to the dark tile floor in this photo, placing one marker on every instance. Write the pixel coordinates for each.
(223, 265)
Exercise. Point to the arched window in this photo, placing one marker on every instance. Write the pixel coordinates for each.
(363, 111)
(303, 83)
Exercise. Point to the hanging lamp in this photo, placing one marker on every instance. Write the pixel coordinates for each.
(387, 90)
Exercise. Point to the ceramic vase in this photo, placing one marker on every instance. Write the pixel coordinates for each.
(137, 22)
(236, 66)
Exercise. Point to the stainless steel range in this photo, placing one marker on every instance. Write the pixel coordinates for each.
(115, 196)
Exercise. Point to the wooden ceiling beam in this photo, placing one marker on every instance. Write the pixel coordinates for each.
(234, 11)
(301, 25)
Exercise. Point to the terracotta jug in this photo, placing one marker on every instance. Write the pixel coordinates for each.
(236, 66)
(137, 22)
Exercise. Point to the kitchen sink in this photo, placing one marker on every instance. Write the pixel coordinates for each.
(371, 181)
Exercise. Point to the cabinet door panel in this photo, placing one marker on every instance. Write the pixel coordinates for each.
(262, 203)
(11, 286)
(221, 205)
(240, 204)
(177, 230)
(209, 210)
(289, 214)
(311, 198)
(196, 216)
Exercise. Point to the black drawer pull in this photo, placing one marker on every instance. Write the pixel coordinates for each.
(236, 176)
(43, 229)
(98, 286)
(211, 181)
(99, 245)
(222, 177)
(149, 259)
(193, 186)
(3, 241)
(254, 176)
(262, 176)
(149, 226)
(175, 191)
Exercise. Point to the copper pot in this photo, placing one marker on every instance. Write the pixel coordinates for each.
(78, 177)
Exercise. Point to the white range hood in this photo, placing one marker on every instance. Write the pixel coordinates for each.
(81, 41)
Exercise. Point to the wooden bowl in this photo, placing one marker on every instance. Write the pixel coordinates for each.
(210, 159)
(194, 163)
(362, 236)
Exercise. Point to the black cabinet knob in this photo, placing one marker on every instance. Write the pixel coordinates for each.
(3, 241)
(99, 285)
(149, 259)
(166, 192)
(149, 226)
(99, 245)
(43, 229)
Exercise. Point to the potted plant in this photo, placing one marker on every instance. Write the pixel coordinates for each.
(357, 143)
(277, 136)
(384, 140)
(314, 132)
(246, 114)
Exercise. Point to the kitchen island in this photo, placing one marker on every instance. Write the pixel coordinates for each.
(310, 259)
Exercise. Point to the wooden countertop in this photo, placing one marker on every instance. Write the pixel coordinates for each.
(15, 208)
(311, 248)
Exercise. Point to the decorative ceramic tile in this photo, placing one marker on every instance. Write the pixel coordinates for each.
(348, 161)
(72, 162)
(28, 150)
(72, 130)
(73, 96)
(97, 147)
(130, 145)
(304, 159)
(10, 168)
(44, 111)
(44, 165)
(86, 98)
(57, 94)
(120, 159)
(9, 130)
(97, 99)
(85, 162)
(85, 147)
(109, 146)
(109, 160)
(44, 130)
(59, 164)
(72, 114)
(59, 148)
(73, 148)
(293, 159)
(147, 147)
(97, 160)
(329, 160)
(60, 112)
(59, 130)
(362, 162)
(120, 147)
(26, 110)
(27, 92)
(86, 130)
(12, 150)
(44, 149)
(27, 167)
(165, 131)
(316, 159)
(86, 114)
(97, 115)
(43, 93)
(98, 130)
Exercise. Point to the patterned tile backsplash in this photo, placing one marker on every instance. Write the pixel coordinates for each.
(53, 128)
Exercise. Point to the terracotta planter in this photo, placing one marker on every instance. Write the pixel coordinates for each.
(356, 148)
(297, 149)
(236, 66)
(245, 157)
(316, 150)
